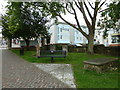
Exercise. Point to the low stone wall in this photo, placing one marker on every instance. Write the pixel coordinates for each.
(77, 49)
(111, 51)
(99, 49)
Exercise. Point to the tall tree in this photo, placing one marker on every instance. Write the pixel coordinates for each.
(9, 25)
(6, 31)
(84, 7)
(27, 21)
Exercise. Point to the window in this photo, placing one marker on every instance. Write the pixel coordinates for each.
(61, 29)
(58, 31)
(116, 39)
(58, 37)
(66, 29)
(61, 37)
(80, 38)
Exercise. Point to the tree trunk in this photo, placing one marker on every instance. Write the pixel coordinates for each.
(37, 50)
(9, 43)
(90, 44)
(27, 43)
(38, 46)
(65, 48)
(43, 42)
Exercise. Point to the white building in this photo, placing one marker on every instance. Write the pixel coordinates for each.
(112, 39)
(99, 39)
(62, 33)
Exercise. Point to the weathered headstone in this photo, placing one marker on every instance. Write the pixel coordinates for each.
(101, 65)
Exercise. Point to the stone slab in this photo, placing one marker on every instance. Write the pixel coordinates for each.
(62, 72)
(100, 61)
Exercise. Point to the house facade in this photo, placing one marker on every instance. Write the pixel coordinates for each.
(113, 38)
(62, 33)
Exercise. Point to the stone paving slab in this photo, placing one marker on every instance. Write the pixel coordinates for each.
(61, 71)
(18, 73)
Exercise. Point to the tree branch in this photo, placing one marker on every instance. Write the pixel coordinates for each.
(101, 4)
(103, 10)
(68, 10)
(84, 15)
(76, 16)
(67, 22)
(80, 29)
(95, 15)
(90, 5)
(74, 26)
(88, 11)
(77, 5)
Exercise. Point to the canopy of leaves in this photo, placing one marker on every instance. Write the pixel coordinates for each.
(5, 28)
(25, 20)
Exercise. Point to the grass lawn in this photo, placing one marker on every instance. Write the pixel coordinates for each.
(83, 78)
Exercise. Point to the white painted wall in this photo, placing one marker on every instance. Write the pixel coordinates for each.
(99, 37)
(63, 33)
(53, 32)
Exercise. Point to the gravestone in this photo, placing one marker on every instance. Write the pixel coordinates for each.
(101, 65)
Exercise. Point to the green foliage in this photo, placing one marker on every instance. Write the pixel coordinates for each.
(114, 10)
(110, 16)
(6, 31)
(25, 20)
(53, 8)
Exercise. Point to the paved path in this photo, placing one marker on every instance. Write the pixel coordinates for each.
(18, 73)
(63, 72)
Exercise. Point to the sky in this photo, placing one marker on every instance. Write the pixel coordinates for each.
(2, 11)
(2, 6)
